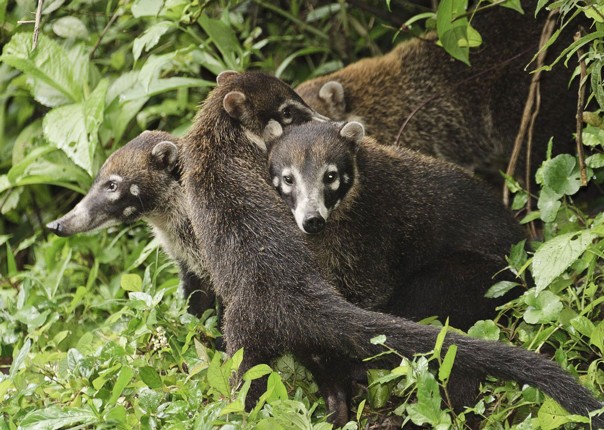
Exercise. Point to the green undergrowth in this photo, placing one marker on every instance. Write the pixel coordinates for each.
(93, 330)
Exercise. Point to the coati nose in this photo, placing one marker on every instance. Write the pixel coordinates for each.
(313, 223)
(55, 227)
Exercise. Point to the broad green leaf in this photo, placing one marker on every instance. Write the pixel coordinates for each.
(557, 254)
(160, 86)
(275, 389)
(225, 40)
(131, 282)
(484, 329)
(123, 379)
(583, 325)
(256, 372)
(552, 416)
(543, 307)
(150, 377)
(594, 11)
(561, 174)
(20, 358)
(49, 65)
(500, 289)
(378, 340)
(146, 8)
(513, 4)
(597, 337)
(74, 128)
(55, 417)
(218, 377)
(447, 364)
(150, 37)
(70, 27)
(453, 33)
(119, 112)
(378, 393)
(595, 161)
(593, 136)
(427, 409)
(149, 399)
(549, 203)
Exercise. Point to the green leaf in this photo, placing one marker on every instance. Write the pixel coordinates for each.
(131, 282)
(447, 364)
(484, 329)
(150, 37)
(74, 128)
(378, 393)
(378, 340)
(500, 289)
(549, 203)
(218, 377)
(225, 40)
(146, 8)
(55, 417)
(557, 254)
(150, 377)
(593, 136)
(123, 379)
(561, 174)
(275, 389)
(543, 307)
(452, 33)
(20, 358)
(159, 86)
(597, 337)
(256, 372)
(513, 4)
(552, 416)
(70, 27)
(56, 78)
(595, 161)
(427, 409)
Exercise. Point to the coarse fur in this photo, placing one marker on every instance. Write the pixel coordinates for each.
(407, 234)
(467, 115)
(276, 297)
(142, 180)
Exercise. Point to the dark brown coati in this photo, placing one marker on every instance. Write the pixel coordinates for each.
(142, 180)
(276, 297)
(407, 234)
(467, 115)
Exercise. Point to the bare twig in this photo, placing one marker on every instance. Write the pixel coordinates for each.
(37, 24)
(580, 103)
(455, 85)
(529, 150)
(115, 15)
(546, 33)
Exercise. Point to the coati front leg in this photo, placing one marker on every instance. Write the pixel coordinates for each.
(198, 291)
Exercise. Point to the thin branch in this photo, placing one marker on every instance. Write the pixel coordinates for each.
(580, 103)
(37, 24)
(115, 15)
(455, 85)
(529, 150)
(546, 33)
(476, 10)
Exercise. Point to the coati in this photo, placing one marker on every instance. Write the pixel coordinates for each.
(407, 234)
(141, 180)
(276, 296)
(467, 115)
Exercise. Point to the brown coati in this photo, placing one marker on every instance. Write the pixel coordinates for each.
(407, 234)
(141, 180)
(467, 115)
(276, 297)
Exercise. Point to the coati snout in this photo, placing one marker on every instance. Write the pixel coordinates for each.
(313, 175)
(126, 188)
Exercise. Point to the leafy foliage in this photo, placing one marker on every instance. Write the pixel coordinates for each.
(93, 331)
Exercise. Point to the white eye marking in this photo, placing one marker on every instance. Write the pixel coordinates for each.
(285, 187)
(115, 178)
(134, 190)
(276, 181)
(129, 210)
(332, 168)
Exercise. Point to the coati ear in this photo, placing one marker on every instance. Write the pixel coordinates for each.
(332, 92)
(225, 76)
(165, 155)
(234, 104)
(353, 131)
(272, 132)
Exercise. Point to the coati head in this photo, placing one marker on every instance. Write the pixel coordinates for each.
(258, 98)
(327, 98)
(313, 167)
(135, 181)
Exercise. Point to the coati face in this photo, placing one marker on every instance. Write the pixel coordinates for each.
(313, 168)
(256, 99)
(131, 184)
(327, 99)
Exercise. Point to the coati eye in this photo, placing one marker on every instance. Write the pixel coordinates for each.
(111, 186)
(289, 180)
(286, 114)
(330, 177)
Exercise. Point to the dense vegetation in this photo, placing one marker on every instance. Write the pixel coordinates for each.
(93, 331)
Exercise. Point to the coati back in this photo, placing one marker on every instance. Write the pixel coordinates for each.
(142, 180)
(469, 116)
(276, 296)
(407, 234)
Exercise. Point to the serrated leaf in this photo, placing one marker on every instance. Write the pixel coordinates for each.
(256, 372)
(561, 174)
(74, 128)
(70, 27)
(427, 409)
(593, 136)
(54, 418)
(218, 377)
(557, 254)
(543, 307)
(500, 288)
(150, 377)
(484, 329)
(150, 38)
